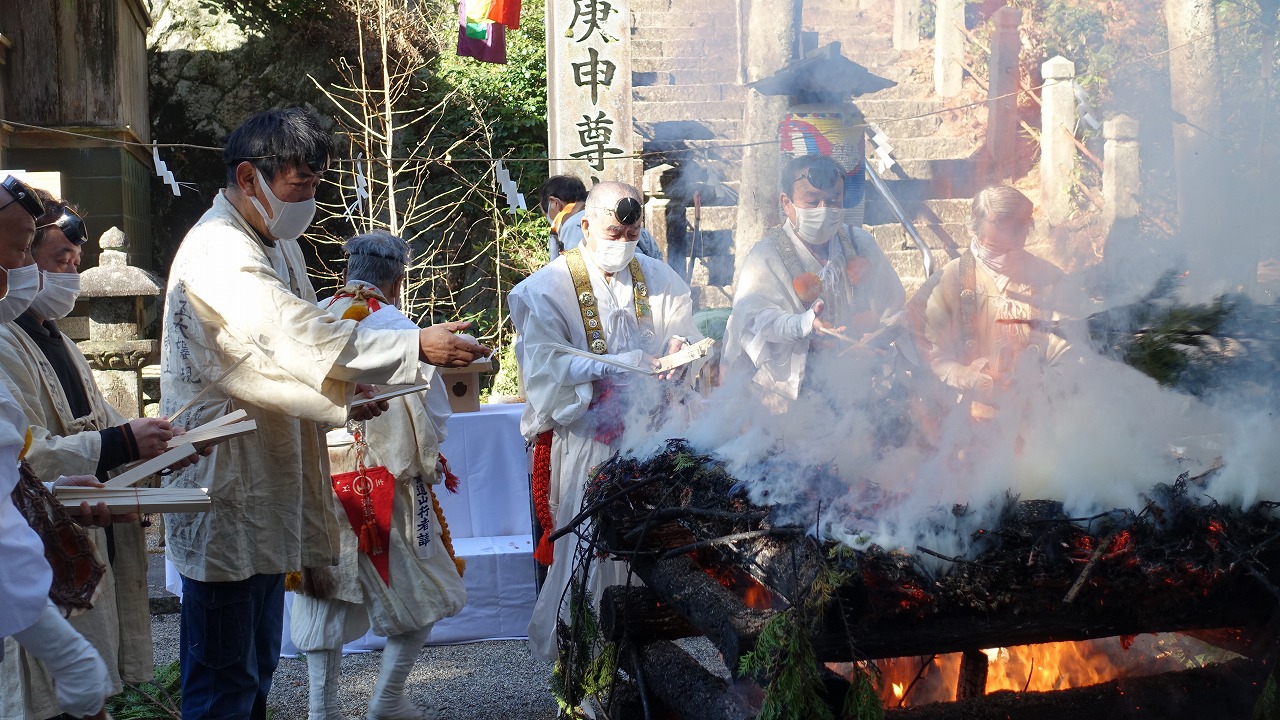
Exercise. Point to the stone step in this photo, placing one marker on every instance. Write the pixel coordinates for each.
(909, 264)
(686, 34)
(715, 76)
(714, 217)
(686, 52)
(895, 237)
(886, 108)
(681, 66)
(948, 211)
(705, 18)
(933, 148)
(727, 7)
(160, 600)
(670, 134)
(915, 127)
(688, 93)
(664, 111)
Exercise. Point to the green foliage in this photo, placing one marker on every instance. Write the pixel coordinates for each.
(784, 658)
(159, 699)
(1268, 706)
(577, 674)
(862, 702)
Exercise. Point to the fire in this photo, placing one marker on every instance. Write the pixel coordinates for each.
(753, 593)
(1051, 666)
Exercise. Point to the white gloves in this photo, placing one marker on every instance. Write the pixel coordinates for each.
(971, 377)
(80, 678)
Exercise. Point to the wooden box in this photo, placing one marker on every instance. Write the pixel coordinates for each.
(463, 385)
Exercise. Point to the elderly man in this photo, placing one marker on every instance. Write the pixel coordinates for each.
(30, 617)
(75, 431)
(981, 320)
(605, 299)
(242, 331)
(807, 279)
(403, 589)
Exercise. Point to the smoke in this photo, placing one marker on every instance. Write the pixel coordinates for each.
(872, 457)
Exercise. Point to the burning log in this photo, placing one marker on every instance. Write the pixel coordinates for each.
(1035, 575)
(678, 681)
(1225, 692)
(639, 615)
(722, 616)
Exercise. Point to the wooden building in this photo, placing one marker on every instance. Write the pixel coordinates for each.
(81, 66)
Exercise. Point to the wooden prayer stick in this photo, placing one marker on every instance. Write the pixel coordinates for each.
(389, 394)
(152, 466)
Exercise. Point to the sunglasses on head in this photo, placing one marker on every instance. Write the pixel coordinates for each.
(22, 195)
(71, 225)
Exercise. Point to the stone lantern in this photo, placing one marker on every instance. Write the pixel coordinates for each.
(114, 296)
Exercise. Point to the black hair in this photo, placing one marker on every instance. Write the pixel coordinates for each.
(566, 187)
(821, 170)
(278, 139)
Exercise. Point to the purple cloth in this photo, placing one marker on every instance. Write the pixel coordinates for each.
(492, 49)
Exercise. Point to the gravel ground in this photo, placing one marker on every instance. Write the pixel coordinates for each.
(496, 680)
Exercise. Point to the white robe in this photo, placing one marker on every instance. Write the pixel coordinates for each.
(558, 389)
(25, 576)
(230, 295)
(119, 624)
(425, 585)
(770, 328)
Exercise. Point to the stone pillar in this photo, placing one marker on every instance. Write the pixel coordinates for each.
(906, 24)
(1121, 172)
(115, 293)
(948, 49)
(1057, 152)
(771, 41)
(589, 91)
(657, 214)
(1002, 98)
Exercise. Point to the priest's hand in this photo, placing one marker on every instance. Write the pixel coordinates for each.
(92, 515)
(365, 411)
(151, 436)
(189, 460)
(972, 377)
(439, 345)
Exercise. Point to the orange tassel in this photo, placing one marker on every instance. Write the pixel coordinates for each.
(292, 581)
(446, 538)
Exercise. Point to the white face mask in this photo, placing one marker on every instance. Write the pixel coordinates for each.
(995, 262)
(288, 220)
(816, 226)
(613, 255)
(57, 296)
(24, 283)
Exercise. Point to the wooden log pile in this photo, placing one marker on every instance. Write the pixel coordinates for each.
(714, 565)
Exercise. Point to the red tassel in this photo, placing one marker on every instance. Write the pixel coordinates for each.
(545, 552)
(450, 480)
(369, 544)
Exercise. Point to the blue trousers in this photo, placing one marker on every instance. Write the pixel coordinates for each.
(230, 646)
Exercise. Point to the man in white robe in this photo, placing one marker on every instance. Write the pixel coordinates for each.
(424, 584)
(29, 616)
(238, 290)
(75, 431)
(590, 299)
(810, 277)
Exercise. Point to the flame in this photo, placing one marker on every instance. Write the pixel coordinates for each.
(1051, 666)
(755, 595)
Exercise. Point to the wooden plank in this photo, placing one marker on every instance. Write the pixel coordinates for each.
(207, 436)
(152, 466)
(389, 394)
(140, 500)
(233, 416)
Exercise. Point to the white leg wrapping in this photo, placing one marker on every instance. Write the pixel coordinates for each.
(323, 667)
(389, 701)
